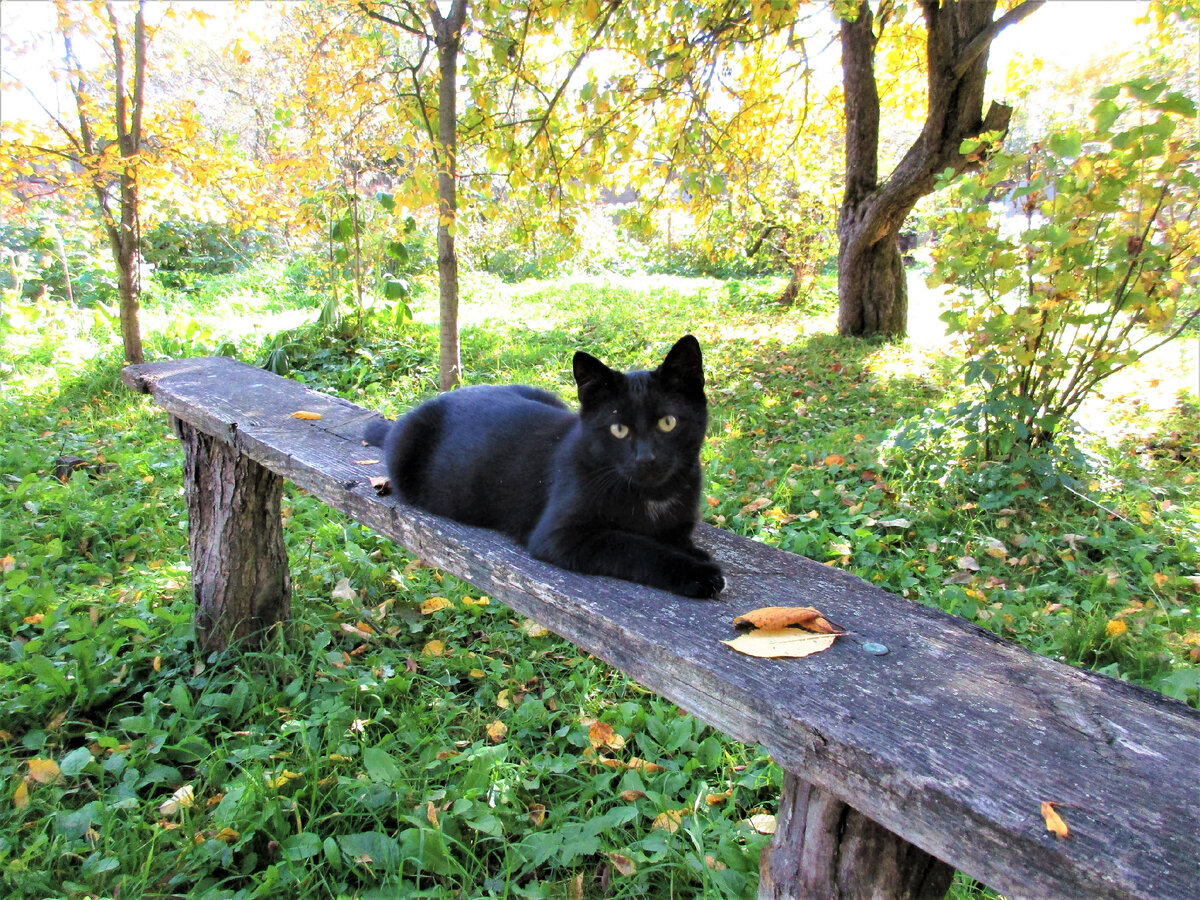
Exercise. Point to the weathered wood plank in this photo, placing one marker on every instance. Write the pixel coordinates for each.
(952, 740)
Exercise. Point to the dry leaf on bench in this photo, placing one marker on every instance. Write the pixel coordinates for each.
(1054, 822)
(382, 484)
(773, 618)
(782, 642)
(305, 414)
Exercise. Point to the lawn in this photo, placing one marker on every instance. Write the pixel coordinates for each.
(404, 736)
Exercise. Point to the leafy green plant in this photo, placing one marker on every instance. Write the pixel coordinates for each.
(1069, 263)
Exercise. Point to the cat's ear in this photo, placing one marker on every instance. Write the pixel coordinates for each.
(593, 377)
(683, 368)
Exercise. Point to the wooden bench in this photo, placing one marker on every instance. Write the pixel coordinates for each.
(898, 767)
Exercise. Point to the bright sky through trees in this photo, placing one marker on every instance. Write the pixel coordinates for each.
(1065, 32)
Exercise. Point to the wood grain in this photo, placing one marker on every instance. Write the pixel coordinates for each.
(952, 740)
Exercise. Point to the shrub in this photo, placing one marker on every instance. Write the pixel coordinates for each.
(1070, 262)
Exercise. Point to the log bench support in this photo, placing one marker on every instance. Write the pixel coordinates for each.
(898, 768)
(240, 573)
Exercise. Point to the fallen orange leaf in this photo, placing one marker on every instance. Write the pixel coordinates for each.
(1054, 822)
(601, 734)
(43, 771)
(497, 730)
(305, 414)
(773, 618)
(433, 604)
(622, 864)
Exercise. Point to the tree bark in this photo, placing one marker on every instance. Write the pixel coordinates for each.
(448, 38)
(235, 539)
(826, 849)
(872, 293)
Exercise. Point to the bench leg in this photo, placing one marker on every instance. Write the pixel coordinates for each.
(235, 539)
(824, 848)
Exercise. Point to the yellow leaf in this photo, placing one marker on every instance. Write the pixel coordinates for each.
(21, 795)
(472, 601)
(834, 459)
(641, 765)
(622, 864)
(717, 799)
(670, 820)
(305, 414)
(601, 734)
(773, 618)
(497, 730)
(434, 648)
(282, 778)
(477, 673)
(1054, 822)
(181, 799)
(433, 604)
(43, 771)
(7, 563)
(365, 462)
(431, 815)
(533, 629)
(226, 836)
(763, 823)
(782, 642)
(537, 813)
(503, 700)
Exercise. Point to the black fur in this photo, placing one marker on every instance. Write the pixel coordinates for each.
(516, 459)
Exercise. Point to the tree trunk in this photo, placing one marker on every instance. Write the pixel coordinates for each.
(826, 849)
(448, 37)
(125, 234)
(126, 256)
(872, 286)
(235, 539)
(872, 294)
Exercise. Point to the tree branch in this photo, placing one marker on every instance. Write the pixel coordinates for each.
(983, 40)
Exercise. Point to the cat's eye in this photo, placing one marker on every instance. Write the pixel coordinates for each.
(667, 423)
(619, 431)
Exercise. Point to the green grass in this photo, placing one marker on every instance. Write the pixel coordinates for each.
(343, 761)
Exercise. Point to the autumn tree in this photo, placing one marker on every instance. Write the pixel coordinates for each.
(441, 33)
(117, 158)
(872, 293)
(105, 143)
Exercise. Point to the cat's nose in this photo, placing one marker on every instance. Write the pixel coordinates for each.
(643, 453)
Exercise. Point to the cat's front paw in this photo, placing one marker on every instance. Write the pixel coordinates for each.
(704, 581)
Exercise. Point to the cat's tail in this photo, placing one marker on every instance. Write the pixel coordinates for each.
(376, 431)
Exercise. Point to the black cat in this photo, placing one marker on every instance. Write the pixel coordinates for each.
(614, 490)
